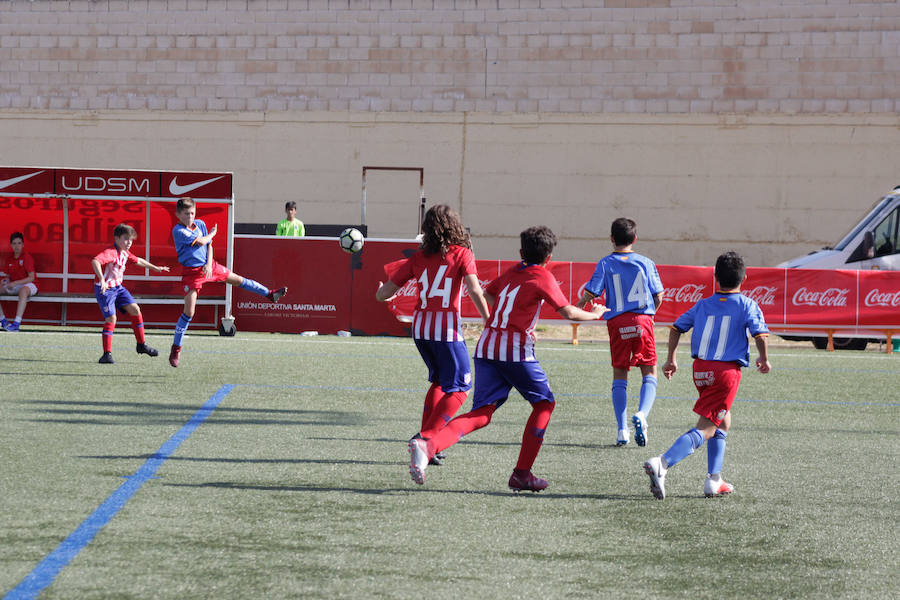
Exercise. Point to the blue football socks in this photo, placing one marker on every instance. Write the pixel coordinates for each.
(648, 394)
(715, 451)
(620, 400)
(181, 328)
(683, 447)
(255, 287)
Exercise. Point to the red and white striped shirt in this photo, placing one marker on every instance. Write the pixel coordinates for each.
(438, 285)
(114, 261)
(518, 295)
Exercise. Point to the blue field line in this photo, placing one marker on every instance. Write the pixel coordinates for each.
(47, 570)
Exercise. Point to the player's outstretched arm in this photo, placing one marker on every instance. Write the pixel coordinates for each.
(573, 313)
(762, 346)
(473, 286)
(585, 298)
(671, 365)
(146, 264)
(386, 291)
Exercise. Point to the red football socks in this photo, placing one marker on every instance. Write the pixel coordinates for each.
(432, 397)
(137, 324)
(460, 426)
(533, 436)
(108, 329)
(442, 413)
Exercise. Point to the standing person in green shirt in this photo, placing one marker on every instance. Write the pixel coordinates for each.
(290, 226)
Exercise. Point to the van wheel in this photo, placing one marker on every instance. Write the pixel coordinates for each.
(821, 343)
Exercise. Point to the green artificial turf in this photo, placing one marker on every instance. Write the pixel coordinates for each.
(297, 485)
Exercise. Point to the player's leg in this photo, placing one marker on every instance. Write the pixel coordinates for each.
(137, 326)
(647, 397)
(254, 286)
(620, 403)
(181, 327)
(451, 366)
(106, 337)
(24, 296)
(531, 382)
(3, 321)
(715, 485)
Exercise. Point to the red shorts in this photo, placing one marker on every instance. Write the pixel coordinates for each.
(193, 278)
(631, 340)
(717, 383)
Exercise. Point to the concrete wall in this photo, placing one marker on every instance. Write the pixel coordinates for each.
(771, 187)
(765, 126)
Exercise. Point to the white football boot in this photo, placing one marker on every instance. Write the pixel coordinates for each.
(716, 487)
(418, 459)
(622, 438)
(640, 428)
(657, 472)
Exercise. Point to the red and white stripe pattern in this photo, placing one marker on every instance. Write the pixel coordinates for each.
(506, 345)
(438, 326)
(115, 262)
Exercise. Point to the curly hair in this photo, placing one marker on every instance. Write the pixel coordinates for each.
(441, 229)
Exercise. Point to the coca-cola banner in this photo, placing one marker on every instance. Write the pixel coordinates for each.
(766, 287)
(815, 297)
(879, 298)
(683, 286)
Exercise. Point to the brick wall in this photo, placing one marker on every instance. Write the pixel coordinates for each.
(551, 56)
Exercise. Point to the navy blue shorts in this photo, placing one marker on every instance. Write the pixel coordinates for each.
(115, 297)
(495, 378)
(448, 364)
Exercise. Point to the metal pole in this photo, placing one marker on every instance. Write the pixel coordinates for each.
(363, 216)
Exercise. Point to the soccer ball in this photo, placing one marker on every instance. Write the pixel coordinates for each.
(351, 240)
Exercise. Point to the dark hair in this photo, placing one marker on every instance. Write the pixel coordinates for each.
(16, 234)
(537, 244)
(124, 229)
(623, 231)
(289, 205)
(442, 228)
(730, 270)
(184, 203)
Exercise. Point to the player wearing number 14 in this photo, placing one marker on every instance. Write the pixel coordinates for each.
(633, 294)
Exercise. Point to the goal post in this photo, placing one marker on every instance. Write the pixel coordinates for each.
(421, 172)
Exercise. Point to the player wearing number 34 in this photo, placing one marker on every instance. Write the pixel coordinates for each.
(443, 262)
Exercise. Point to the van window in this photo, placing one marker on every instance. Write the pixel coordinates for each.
(887, 234)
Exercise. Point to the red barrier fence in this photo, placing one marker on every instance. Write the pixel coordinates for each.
(331, 291)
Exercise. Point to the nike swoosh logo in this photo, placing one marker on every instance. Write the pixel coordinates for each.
(8, 182)
(180, 190)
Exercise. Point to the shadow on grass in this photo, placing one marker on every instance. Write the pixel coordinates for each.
(45, 374)
(228, 485)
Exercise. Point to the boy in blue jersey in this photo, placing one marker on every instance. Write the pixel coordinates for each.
(193, 242)
(633, 295)
(720, 348)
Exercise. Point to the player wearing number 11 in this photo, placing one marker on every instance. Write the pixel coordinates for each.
(633, 294)
(504, 359)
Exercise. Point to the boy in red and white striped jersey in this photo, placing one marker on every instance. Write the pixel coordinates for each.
(504, 359)
(440, 267)
(109, 270)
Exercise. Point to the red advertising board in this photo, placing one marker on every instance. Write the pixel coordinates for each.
(811, 298)
(879, 298)
(683, 287)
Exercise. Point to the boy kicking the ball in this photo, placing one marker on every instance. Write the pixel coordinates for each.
(193, 242)
(109, 270)
(504, 359)
(720, 348)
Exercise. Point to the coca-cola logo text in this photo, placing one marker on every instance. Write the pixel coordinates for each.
(878, 298)
(829, 297)
(764, 295)
(689, 292)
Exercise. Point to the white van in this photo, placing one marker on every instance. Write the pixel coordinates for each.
(873, 243)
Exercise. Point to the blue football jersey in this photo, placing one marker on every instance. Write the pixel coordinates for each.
(721, 323)
(190, 254)
(630, 281)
